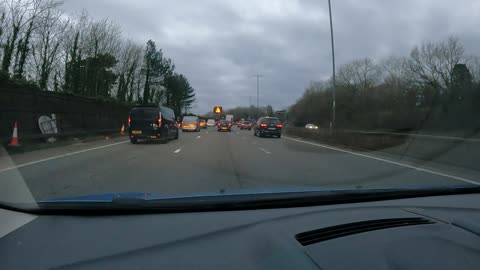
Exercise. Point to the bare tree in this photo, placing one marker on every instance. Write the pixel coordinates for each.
(433, 63)
(102, 37)
(128, 67)
(21, 16)
(3, 23)
(473, 64)
(47, 40)
(359, 74)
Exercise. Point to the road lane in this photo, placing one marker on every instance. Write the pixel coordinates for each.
(210, 161)
(297, 164)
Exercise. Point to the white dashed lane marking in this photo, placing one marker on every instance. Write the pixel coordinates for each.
(265, 151)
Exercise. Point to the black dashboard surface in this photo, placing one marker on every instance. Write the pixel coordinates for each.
(258, 239)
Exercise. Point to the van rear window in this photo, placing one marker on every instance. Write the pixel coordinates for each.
(144, 113)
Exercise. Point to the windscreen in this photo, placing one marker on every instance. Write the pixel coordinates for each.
(271, 121)
(341, 95)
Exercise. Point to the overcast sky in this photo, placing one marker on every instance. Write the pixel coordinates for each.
(220, 44)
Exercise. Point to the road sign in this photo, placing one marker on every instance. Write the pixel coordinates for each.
(217, 109)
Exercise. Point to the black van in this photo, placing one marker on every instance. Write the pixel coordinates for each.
(152, 123)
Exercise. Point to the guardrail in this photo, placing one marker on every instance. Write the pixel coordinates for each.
(452, 151)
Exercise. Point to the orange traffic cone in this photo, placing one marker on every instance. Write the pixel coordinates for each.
(122, 131)
(14, 140)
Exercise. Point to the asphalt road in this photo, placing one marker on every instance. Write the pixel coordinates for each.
(211, 161)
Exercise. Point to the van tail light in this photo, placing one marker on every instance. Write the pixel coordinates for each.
(263, 125)
(159, 121)
(129, 121)
(279, 125)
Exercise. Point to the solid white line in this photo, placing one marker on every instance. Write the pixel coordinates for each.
(265, 151)
(387, 161)
(61, 156)
(177, 151)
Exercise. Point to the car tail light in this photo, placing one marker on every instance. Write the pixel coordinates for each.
(263, 125)
(279, 125)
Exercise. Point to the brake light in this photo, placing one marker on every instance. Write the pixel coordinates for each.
(279, 125)
(159, 121)
(263, 125)
(129, 121)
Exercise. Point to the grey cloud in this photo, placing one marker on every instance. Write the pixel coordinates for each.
(219, 45)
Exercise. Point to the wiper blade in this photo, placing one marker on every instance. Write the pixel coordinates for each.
(122, 205)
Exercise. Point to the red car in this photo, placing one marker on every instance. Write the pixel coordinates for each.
(246, 125)
(225, 125)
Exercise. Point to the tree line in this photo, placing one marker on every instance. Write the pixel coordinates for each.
(246, 113)
(41, 45)
(436, 87)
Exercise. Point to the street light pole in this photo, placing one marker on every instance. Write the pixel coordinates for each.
(258, 76)
(333, 67)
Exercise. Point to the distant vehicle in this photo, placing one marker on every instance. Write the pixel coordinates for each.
(203, 123)
(229, 117)
(191, 123)
(268, 126)
(211, 122)
(224, 125)
(311, 126)
(239, 124)
(152, 123)
(246, 125)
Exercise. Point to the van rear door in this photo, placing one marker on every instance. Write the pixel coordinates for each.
(144, 121)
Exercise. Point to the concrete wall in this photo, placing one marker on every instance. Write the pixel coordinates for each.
(74, 114)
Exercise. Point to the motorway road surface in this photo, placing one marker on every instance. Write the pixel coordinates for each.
(210, 161)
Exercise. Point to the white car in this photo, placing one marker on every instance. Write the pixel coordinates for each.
(211, 122)
(311, 126)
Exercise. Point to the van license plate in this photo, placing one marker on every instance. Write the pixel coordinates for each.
(136, 132)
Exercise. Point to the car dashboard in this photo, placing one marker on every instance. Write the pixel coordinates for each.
(438, 232)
